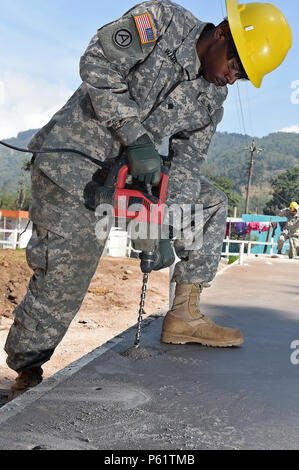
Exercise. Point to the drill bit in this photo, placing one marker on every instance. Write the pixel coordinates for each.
(141, 310)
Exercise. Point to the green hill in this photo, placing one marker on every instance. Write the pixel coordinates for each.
(11, 161)
(226, 158)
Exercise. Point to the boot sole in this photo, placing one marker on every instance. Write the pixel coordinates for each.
(204, 342)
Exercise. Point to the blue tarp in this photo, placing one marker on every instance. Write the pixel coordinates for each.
(262, 237)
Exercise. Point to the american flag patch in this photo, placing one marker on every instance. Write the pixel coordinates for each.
(145, 28)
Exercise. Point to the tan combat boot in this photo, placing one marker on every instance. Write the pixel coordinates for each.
(185, 324)
(25, 380)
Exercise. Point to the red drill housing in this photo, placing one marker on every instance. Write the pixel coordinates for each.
(151, 208)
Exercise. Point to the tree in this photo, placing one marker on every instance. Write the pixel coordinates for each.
(19, 200)
(257, 203)
(285, 190)
(227, 186)
(22, 192)
(27, 200)
(7, 199)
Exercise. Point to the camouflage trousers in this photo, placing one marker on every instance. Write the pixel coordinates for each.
(62, 270)
(293, 241)
(200, 264)
(64, 253)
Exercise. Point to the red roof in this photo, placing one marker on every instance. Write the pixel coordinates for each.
(14, 214)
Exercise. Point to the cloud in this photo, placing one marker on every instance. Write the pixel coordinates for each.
(294, 128)
(28, 103)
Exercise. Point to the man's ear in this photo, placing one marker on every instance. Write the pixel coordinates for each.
(222, 32)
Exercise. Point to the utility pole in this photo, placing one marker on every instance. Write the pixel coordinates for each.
(252, 149)
(21, 193)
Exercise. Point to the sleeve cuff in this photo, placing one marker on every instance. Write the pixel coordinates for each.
(129, 132)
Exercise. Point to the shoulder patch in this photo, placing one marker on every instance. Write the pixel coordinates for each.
(145, 28)
(120, 39)
(123, 38)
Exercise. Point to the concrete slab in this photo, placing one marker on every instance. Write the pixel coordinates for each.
(182, 397)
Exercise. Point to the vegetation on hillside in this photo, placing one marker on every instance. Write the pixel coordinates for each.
(275, 169)
(227, 186)
(285, 190)
(228, 158)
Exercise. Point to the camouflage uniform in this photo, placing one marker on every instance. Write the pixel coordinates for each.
(290, 232)
(130, 87)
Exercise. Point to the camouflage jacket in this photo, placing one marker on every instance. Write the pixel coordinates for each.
(292, 225)
(140, 74)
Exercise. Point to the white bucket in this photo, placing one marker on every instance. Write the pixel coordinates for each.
(117, 245)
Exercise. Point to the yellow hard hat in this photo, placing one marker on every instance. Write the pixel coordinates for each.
(294, 206)
(262, 37)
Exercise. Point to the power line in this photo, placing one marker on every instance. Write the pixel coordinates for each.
(242, 112)
(249, 110)
(281, 198)
(238, 109)
(273, 192)
(253, 149)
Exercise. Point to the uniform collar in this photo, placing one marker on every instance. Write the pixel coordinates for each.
(186, 54)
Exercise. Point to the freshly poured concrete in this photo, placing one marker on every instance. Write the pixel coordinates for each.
(181, 397)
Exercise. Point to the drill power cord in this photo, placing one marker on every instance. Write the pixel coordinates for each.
(58, 150)
(136, 352)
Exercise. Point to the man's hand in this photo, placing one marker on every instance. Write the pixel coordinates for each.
(144, 160)
(166, 255)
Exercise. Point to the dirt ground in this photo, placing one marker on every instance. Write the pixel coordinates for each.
(110, 306)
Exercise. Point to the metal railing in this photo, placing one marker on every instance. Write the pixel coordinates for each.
(242, 244)
(12, 242)
(14, 239)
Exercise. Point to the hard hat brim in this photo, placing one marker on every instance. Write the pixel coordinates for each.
(235, 24)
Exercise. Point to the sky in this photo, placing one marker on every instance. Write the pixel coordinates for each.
(41, 44)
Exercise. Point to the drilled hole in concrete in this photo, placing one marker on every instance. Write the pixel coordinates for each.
(136, 354)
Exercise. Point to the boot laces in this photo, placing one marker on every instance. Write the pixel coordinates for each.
(197, 301)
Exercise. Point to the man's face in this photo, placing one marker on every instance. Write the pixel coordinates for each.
(217, 68)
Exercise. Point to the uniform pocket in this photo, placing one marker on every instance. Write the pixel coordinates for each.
(37, 249)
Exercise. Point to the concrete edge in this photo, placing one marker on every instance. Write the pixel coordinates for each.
(226, 268)
(19, 404)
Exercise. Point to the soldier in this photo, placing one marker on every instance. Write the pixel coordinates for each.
(291, 230)
(157, 71)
